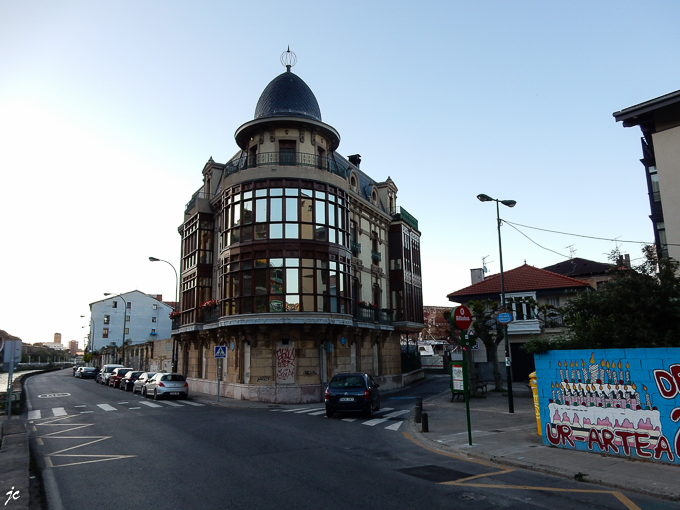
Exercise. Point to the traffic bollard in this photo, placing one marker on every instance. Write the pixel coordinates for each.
(419, 401)
(425, 425)
(419, 412)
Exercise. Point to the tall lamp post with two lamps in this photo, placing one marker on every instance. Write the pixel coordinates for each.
(124, 320)
(508, 369)
(175, 308)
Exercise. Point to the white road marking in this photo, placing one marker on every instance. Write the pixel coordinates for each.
(150, 404)
(34, 415)
(293, 410)
(173, 404)
(86, 412)
(135, 408)
(395, 426)
(308, 410)
(106, 407)
(374, 422)
(318, 413)
(385, 409)
(188, 402)
(397, 413)
(59, 411)
(349, 419)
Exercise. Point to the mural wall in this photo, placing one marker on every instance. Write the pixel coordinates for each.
(615, 401)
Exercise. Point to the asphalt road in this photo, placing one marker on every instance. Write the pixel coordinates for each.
(102, 448)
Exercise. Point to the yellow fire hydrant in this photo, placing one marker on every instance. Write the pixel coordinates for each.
(534, 390)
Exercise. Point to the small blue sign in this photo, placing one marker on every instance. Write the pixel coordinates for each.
(504, 318)
(220, 351)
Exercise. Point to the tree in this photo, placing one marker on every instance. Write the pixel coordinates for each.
(638, 307)
(488, 333)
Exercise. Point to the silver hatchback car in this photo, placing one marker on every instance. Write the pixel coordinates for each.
(167, 385)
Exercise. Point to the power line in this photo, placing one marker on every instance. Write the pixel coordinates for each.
(579, 235)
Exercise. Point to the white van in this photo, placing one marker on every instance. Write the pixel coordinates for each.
(105, 373)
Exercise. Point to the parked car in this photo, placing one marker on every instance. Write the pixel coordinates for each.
(166, 385)
(75, 369)
(140, 383)
(352, 393)
(86, 373)
(117, 375)
(105, 373)
(128, 380)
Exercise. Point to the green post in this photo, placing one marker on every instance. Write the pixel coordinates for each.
(466, 388)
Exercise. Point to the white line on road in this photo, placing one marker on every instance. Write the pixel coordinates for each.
(34, 415)
(173, 404)
(374, 422)
(106, 407)
(59, 411)
(395, 426)
(150, 404)
(317, 413)
(349, 419)
(308, 410)
(397, 413)
(293, 410)
(193, 403)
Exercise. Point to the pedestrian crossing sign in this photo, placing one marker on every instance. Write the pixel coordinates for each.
(220, 351)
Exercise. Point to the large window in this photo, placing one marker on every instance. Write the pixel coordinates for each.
(286, 285)
(286, 213)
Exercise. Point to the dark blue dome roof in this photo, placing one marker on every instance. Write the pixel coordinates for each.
(287, 95)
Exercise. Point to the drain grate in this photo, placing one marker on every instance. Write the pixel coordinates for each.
(436, 474)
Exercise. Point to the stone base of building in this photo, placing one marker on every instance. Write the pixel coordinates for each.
(290, 393)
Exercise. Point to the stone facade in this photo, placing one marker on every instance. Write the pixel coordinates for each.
(295, 260)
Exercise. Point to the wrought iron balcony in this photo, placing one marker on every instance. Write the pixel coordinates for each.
(376, 256)
(369, 313)
(356, 247)
(284, 159)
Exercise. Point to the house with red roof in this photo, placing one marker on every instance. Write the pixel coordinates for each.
(521, 283)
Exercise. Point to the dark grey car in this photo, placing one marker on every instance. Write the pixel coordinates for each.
(352, 392)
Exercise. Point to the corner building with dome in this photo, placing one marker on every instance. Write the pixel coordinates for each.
(294, 261)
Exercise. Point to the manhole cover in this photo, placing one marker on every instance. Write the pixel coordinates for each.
(436, 474)
(53, 395)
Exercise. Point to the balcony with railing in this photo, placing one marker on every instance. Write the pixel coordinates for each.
(356, 247)
(369, 313)
(284, 159)
(376, 256)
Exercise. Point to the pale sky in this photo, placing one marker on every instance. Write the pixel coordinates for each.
(109, 110)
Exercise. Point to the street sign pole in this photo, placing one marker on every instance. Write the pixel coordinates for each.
(462, 319)
(466, 387)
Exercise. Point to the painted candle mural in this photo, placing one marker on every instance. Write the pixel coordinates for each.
(613, 401)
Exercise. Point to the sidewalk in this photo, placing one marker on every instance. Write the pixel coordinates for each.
(513, 440)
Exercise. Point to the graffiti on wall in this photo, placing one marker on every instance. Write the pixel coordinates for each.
(285, 364)
(612, 401)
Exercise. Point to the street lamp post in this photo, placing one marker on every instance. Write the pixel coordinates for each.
(175, 308)
(508, 368)
(124, 321)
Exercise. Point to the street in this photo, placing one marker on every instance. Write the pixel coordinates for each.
(104, 448)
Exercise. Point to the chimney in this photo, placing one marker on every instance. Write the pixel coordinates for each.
(355, 159)
(477, 275)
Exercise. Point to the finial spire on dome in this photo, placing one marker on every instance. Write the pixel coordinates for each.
(288, 59)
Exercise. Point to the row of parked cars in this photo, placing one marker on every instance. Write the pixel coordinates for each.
(148, 384)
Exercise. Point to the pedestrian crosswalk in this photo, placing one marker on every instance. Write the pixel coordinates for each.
(380, 417)
(53, 412)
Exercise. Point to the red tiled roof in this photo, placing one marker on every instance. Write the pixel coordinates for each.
(521, 279)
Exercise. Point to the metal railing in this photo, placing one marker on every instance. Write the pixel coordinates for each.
(369, 313)
(356, 247)
(376, 256)
(284, 159)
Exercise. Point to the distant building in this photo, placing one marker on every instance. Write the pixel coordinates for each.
(133, 316)
(589, 271)
(295, 259)
(57, 338)
(58, 346)
(73, 347)
(659, 121)
(545, 287)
